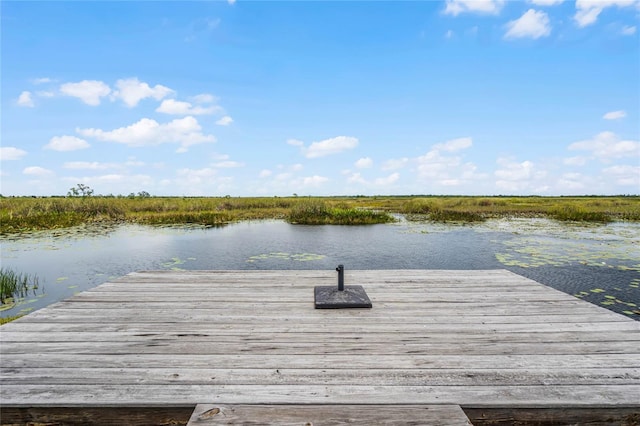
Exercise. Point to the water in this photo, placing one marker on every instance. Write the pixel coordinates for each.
(599, 263)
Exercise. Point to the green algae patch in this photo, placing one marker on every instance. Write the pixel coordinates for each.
(295, 257)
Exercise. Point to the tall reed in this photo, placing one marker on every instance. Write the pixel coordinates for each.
(14, 284)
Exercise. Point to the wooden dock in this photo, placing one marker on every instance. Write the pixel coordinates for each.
(150, 346)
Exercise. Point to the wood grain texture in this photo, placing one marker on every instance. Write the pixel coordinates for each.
(482, 340)
(328, 415)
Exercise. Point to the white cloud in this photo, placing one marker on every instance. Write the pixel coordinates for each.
(356, 178)
(10, 153)
(514, 171)
(202, 27)
(628, 30)
(171, 106)
(205, 181)
(231, 2)
(364, 163)
(296, 167)
(219, 157)
(520, 176)
(45, 94)
(533, 24)
(131, 91)
(197, 175)
(470, 173)
(66, 143)
(575, 161)
(448, 34)
(615, 115)
(439, 167)
(388, 180)
(37, 171)
(545, 2)
(394, 164)
(330, 146)
(283, 176)
(265, 173)
(204, 98)
(224, 121)
(295, 142)
(624, 175)
(453, 145)
(314, 181)
(147, 132)
(491, 7)
(42, 80)
(587, 11)
(433, 166)
(132, 162)
(572, 181)
(24, 100)
(228, 164)
(89, 165)
(88, 91)
(607, 145)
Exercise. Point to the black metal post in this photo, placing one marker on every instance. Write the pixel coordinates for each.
(340, 270)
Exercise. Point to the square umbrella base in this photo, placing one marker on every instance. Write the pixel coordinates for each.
(329, 297)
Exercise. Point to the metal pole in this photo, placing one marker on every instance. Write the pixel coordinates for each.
(340, 270)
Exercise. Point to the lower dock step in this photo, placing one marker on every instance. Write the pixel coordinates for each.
(314, 415)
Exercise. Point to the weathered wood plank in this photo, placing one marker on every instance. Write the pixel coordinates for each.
(302, 325)
(91, 415)
(548, 416)
(314, 376)
(33, 332)
(212, 347)
(351, 361)
(477, 396)
(446, 313)
(329, 415)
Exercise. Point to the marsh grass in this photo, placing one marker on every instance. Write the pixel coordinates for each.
(205, 218)
(318, 212)
(15, 285)
(577, 214)
(25, 214)
(9, 319)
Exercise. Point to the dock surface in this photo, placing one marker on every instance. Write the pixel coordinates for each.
(492, 342)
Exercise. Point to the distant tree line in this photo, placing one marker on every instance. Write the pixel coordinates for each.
(82, 190)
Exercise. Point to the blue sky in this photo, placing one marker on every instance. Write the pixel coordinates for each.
(473, 97)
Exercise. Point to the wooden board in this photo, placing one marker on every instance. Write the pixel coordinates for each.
(488, 341)
(328, 415)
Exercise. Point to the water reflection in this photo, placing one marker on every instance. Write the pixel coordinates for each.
(600, 264)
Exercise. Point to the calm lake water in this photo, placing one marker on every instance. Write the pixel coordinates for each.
(599, 263)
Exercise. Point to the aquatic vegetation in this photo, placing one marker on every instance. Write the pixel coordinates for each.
(576, 214)
(9, 319)
(15, 284)
(173, 264)
(297, 257)
(317, 212)
(562, 246)
(578, 246)
(207, 218)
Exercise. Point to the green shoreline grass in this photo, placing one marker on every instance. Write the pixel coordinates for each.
(25, 214)
(14, 285)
